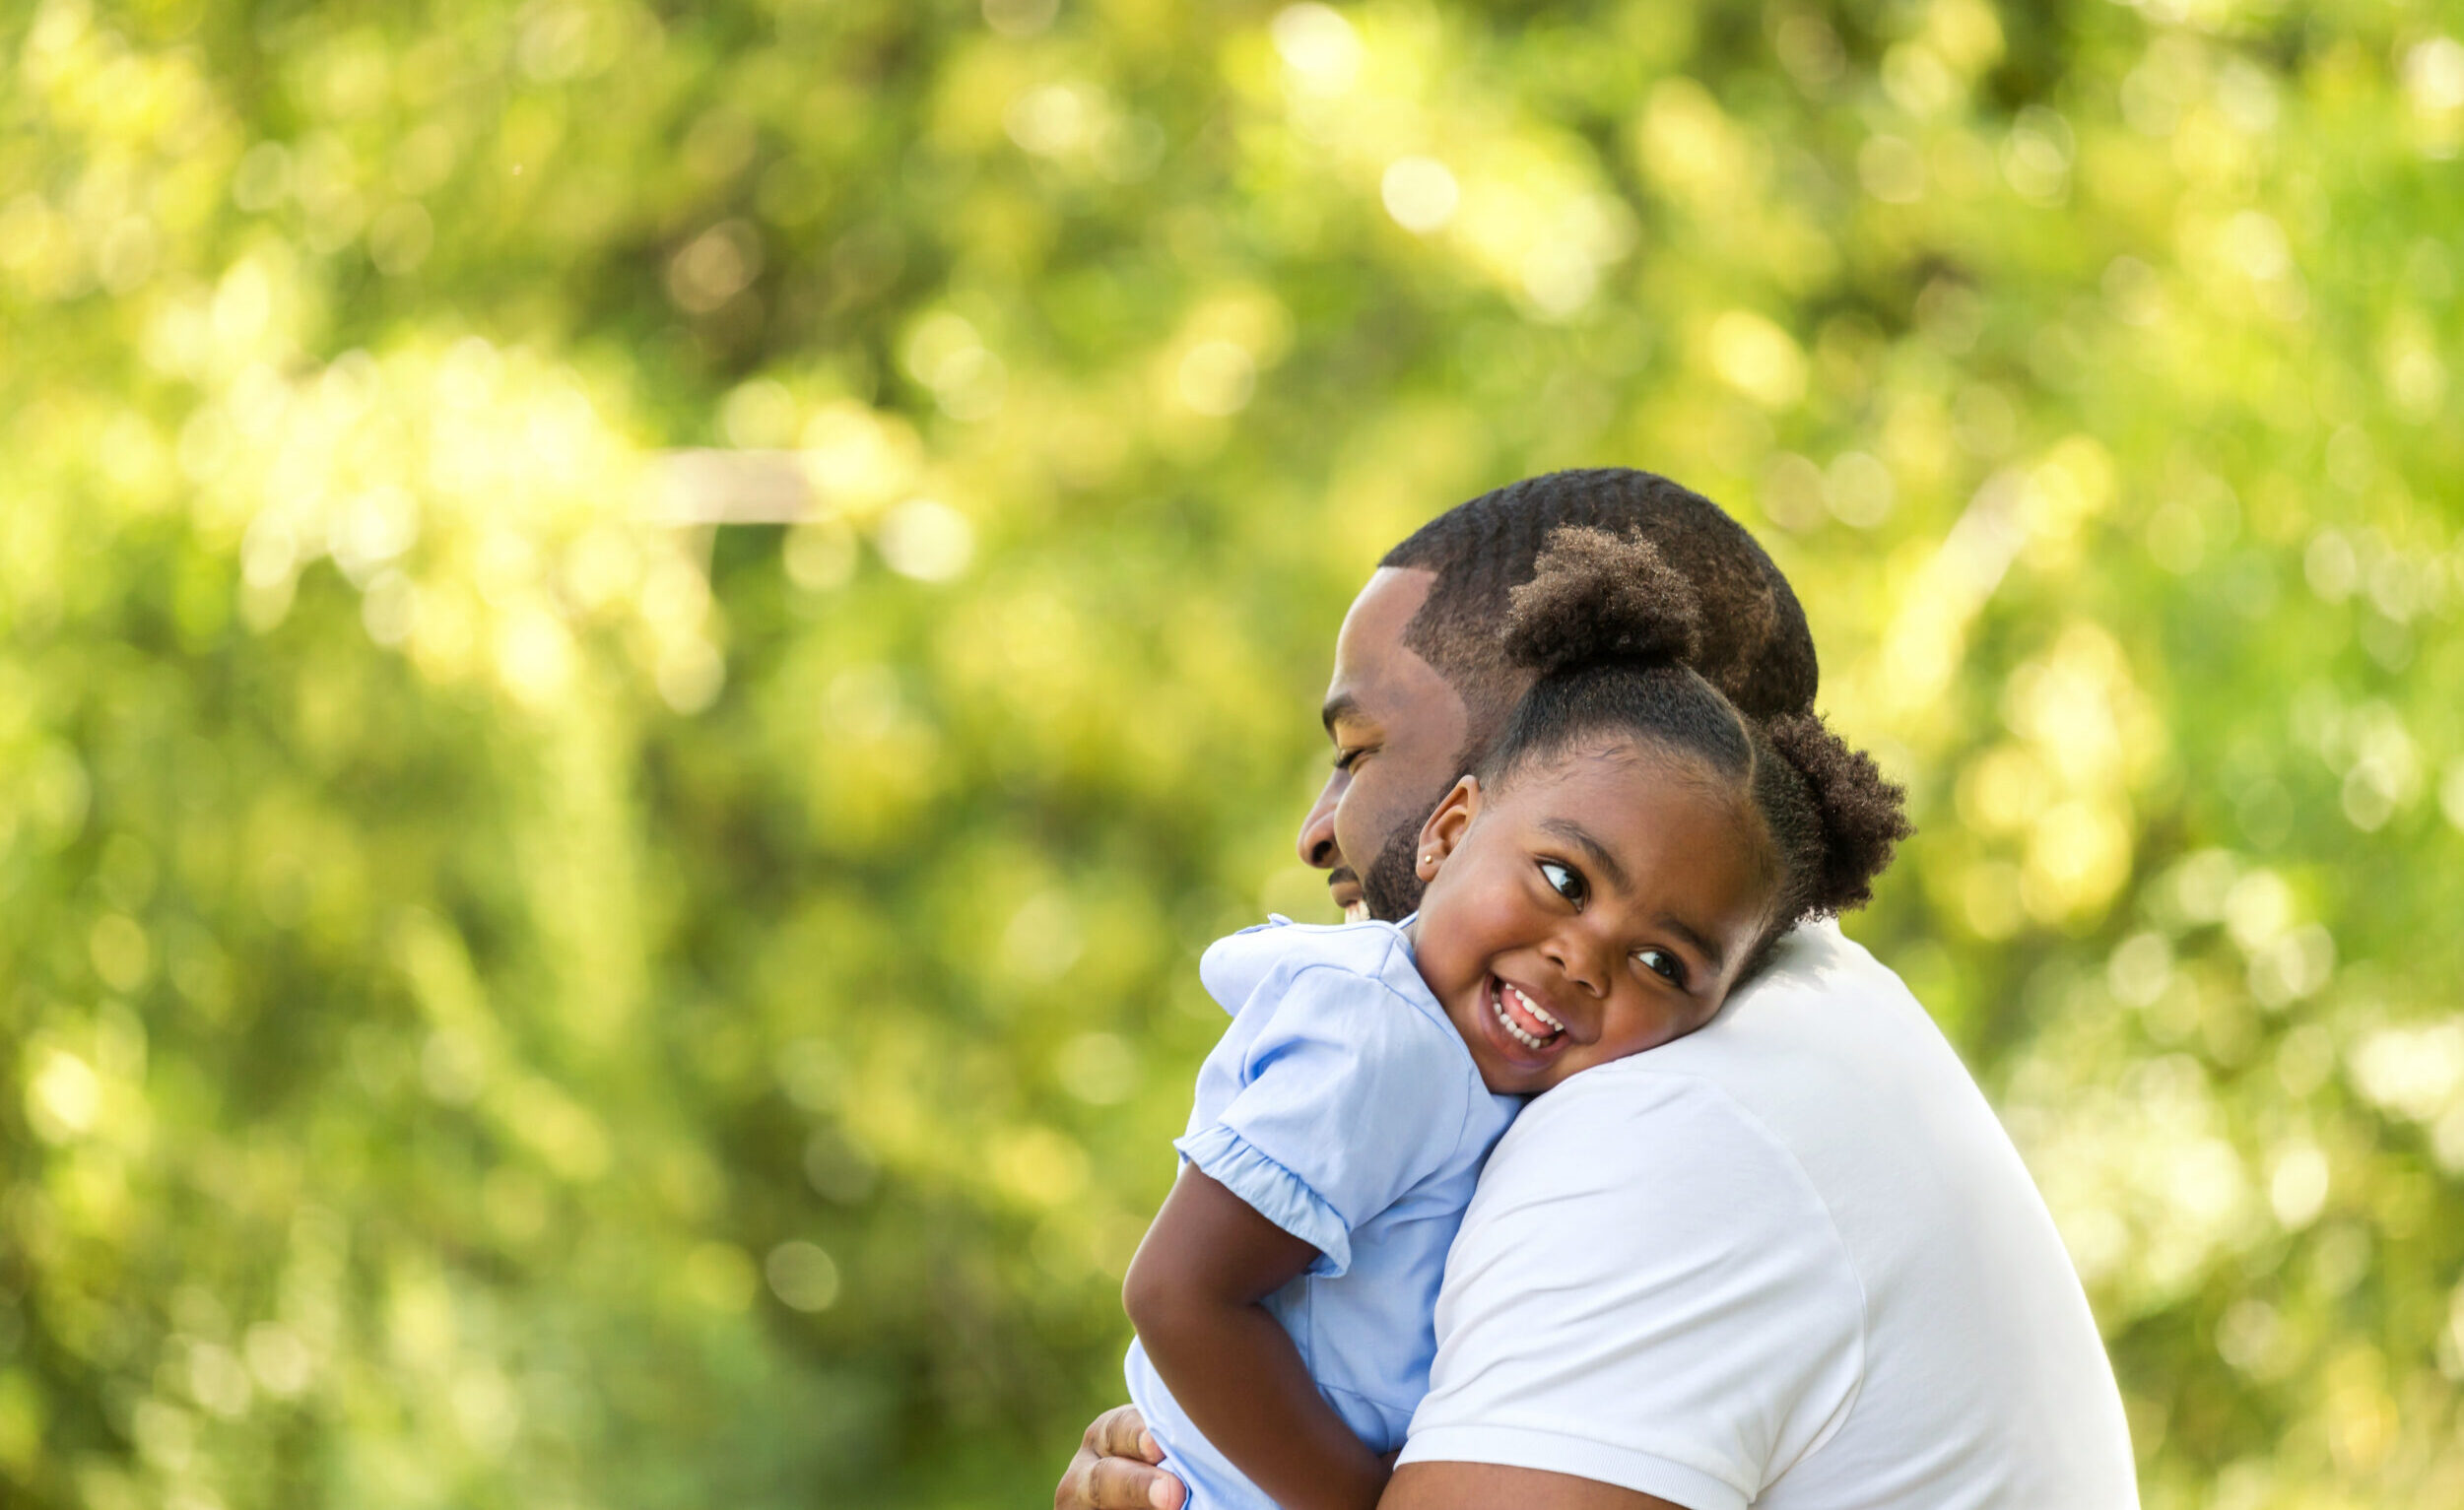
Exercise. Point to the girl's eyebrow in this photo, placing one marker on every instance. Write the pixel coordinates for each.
(1576, 835)
(1711, 951)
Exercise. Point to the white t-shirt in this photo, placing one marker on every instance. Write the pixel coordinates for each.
(1790, 1261)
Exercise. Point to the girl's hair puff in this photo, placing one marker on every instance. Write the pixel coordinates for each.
(1595, 597)
(1610, 633)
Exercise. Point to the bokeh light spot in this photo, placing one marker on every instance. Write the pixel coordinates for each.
(1420, 193)
(927, 540)
(803, 1276)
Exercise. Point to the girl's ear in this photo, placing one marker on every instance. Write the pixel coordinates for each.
(1443, 834)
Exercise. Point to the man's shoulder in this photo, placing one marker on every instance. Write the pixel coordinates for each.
(1818, 968)
(1821, 1077)
(1815, 1175)
(1640, 1156)
(1826, 1028)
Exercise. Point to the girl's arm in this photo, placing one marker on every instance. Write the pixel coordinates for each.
(1193, 1293)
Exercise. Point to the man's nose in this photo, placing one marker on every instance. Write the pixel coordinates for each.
(1317, 830)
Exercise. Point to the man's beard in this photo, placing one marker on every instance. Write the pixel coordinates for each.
(1392, 885)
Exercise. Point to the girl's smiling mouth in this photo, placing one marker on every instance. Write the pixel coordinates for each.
(1523, 1020)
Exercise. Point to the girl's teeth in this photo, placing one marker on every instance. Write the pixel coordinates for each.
(1515, 1030)
(1532, 1007)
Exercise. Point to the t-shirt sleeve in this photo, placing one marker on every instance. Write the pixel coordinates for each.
(1646, 1293)
(1350, 1096)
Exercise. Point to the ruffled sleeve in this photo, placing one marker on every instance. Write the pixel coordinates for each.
(1350, 1095)
(1279, 1195)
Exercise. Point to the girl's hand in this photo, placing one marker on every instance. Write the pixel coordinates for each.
(1114, 1468)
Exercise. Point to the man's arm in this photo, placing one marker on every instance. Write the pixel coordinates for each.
(1646, 1293)
(1194, 1293)
(1486, 1485)
(1114, 1470)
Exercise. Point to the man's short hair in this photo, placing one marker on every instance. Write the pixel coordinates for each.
(1756, 646)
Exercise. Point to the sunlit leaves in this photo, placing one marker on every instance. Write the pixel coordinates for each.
(525, 985)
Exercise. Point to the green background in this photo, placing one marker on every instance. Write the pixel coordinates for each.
(512, 995)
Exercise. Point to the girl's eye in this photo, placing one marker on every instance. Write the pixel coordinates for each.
(1661, 962)
(1563, 880)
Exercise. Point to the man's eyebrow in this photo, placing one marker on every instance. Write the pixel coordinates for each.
(1340, 706)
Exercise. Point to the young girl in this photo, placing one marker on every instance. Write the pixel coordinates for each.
(1627, 855)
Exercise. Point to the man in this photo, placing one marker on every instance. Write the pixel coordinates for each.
(1790, 1261)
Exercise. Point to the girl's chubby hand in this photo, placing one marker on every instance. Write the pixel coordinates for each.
(1116, 1468)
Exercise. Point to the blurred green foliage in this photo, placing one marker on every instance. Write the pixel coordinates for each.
(516, 995)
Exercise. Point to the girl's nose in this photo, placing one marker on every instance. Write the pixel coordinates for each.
(1579, 962)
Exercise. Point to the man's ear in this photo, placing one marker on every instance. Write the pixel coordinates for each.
(1444, 831)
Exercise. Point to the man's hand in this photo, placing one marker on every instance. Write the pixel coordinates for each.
(1114, 1468)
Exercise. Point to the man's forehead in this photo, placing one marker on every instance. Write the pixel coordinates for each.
(1377, 676)
(1387, 602)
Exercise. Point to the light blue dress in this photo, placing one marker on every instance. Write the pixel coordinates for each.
(1343, 1106)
